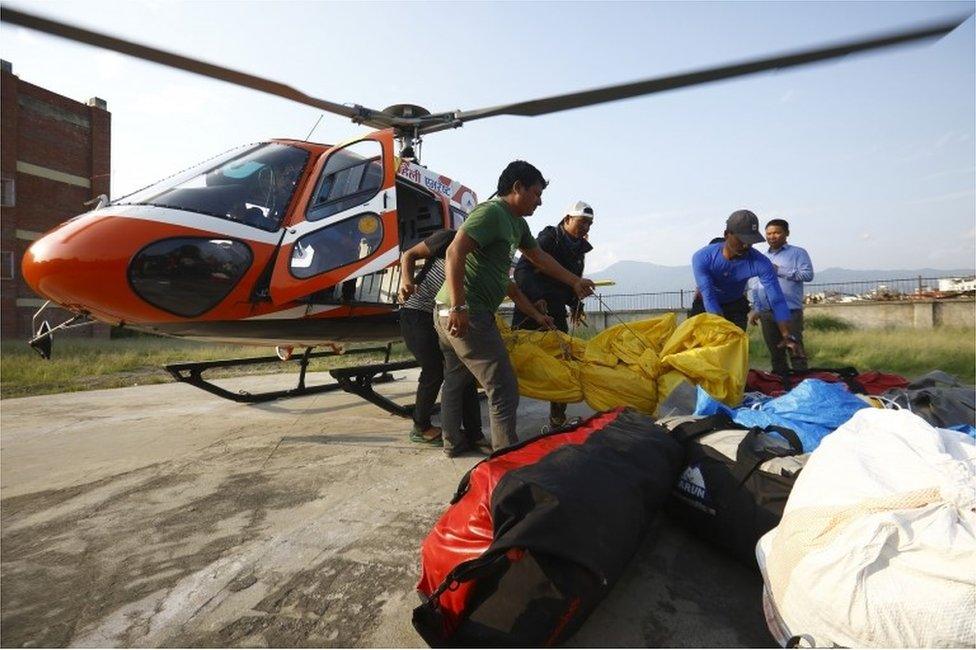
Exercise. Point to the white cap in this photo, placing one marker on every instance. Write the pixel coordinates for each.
(580, 209)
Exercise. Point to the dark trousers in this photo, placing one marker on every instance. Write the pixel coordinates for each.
(771, 335)
(558, 312)
(417, 328)
(736, 311)
(557, 410)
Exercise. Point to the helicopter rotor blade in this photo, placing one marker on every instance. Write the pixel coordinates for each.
(358, 114)
(590, 97)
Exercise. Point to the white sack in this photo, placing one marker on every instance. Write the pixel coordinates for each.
(877, 546)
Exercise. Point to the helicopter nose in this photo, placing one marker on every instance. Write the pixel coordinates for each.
(76, 265)
(137, 270)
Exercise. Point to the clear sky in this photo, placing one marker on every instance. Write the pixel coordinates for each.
(871, 158)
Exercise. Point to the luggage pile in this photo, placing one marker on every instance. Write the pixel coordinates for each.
(859, 511)
(865, 531)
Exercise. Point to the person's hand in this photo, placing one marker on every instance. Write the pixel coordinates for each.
(577, 317)
(545, 321)
(541, 305)
(407, 289)
(754, 317)
(584, 287)
(794, 346)
(457, 324)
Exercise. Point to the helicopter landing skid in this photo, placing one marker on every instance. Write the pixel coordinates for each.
(357, 380)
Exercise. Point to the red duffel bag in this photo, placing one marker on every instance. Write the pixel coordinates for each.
(538, 533)
(866, 383)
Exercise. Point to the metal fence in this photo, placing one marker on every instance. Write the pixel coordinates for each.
(885, 289)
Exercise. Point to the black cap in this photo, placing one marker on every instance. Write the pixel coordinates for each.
(744, 224)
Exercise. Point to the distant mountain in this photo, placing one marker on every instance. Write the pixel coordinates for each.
(645, 277)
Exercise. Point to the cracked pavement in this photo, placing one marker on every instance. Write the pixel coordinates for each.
(164, 516)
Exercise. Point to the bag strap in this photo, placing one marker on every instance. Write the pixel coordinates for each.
(747, 460)
(688, 431)
(464, 572)
(790, 436)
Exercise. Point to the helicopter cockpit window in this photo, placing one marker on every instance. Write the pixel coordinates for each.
(336, 245)
(188, 276)
(251, 185)
(352, 175)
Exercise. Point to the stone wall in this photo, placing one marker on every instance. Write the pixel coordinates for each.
(918, 314)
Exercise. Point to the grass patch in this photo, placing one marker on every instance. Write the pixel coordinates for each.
(88, 364)
(906, 352)
(825, 323)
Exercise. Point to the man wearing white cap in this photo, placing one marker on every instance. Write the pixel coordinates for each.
(568, 245)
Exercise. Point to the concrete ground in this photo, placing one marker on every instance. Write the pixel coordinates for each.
(164, 516)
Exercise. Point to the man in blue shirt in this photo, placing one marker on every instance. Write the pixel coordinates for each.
(723, 269)
(793, 267)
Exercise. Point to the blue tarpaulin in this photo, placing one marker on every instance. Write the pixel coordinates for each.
(812, 409)
(968, 429)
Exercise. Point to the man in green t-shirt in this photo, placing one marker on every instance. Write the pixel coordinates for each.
(478, 264)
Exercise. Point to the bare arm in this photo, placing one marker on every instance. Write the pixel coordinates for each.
(528, 308)
(408, 264)
(548, 265)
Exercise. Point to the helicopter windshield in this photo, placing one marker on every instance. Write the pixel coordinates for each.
(252, 184)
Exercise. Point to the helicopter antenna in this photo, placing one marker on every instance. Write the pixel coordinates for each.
(315, 126)
(419, 142)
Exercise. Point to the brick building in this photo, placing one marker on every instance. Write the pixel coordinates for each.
(55, 157)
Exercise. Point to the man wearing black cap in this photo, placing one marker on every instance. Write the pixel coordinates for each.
(723, 269)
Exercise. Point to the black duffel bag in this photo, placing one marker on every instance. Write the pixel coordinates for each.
(732, 502)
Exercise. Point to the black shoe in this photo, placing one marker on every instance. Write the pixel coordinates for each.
(456, 450)
(481, 443)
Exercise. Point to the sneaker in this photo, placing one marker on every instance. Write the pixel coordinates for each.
(457, 449)
(430, 436)
(562, 425)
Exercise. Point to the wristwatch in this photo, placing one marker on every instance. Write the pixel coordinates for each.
(458, 308)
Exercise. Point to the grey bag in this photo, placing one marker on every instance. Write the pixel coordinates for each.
(938, 398)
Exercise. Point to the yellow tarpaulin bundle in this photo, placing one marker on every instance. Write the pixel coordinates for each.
(635, 364)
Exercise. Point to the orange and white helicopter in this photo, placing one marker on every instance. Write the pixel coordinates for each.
(289, 243)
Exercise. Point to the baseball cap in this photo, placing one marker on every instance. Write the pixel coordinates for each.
(580, 209)
(744, 224)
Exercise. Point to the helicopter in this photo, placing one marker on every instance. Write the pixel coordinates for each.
(287, 243)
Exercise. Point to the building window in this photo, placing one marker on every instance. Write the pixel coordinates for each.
(8, 194)
(6, 265)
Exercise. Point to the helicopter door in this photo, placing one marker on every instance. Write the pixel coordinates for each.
(348, 229)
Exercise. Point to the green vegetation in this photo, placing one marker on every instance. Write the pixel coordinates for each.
(907, 352)
(826, 323)
(87, 364)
